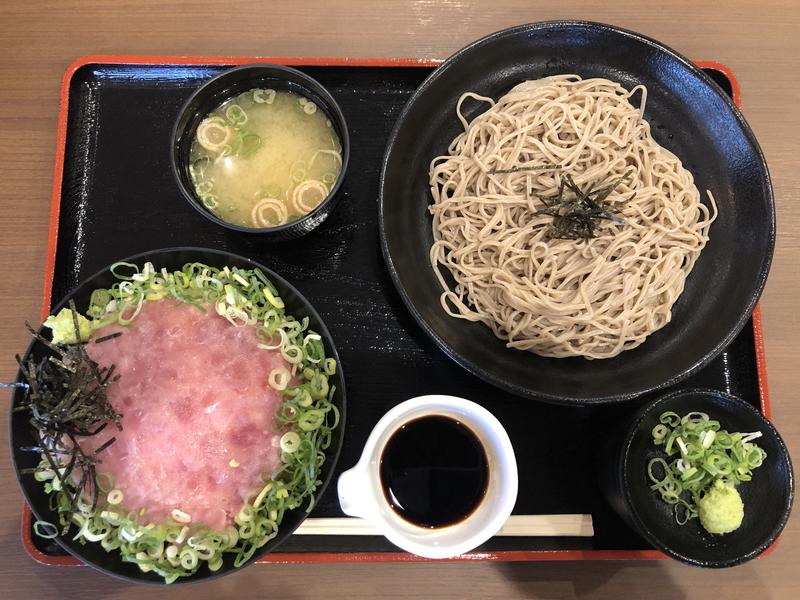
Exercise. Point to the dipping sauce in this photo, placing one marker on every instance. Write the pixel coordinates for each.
(265, 158)
(434, 471)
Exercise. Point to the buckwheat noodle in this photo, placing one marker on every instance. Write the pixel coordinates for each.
(593, 298)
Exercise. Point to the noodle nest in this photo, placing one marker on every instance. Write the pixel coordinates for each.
(561, 297)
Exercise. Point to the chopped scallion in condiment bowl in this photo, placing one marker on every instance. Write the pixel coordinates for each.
(702, 475)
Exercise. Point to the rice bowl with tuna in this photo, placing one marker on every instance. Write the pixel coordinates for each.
(180, 417)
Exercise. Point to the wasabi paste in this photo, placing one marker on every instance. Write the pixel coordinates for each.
(721, 510)
(63, 327)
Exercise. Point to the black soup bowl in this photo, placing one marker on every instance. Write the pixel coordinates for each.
(228, 85)
(688, 114)
(622, 469)
(21, 433)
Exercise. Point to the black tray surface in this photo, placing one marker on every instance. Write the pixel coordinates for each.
(119, 198)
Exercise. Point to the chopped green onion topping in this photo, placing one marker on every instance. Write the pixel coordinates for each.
(180, 517)
(290, 441)
(279, 378)
(272, 299)
(249, 143)
(330, 366)
(261, 495)
(204, 187)
(45, 530)
(293, 354)
(209, 201)
(703, 453)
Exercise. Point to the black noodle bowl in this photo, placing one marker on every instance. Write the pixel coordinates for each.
(689, 115)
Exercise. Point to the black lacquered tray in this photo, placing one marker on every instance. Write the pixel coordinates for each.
(114, 196)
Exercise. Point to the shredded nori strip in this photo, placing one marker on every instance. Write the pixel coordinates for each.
(66, 397)
(539, 169)
(576, 217)
(110, 336)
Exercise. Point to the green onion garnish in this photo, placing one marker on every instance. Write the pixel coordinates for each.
(702, 453)
(264, 96)
(45, 530)
(250, 142)
(235, 114)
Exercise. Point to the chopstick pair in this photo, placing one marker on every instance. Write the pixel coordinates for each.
(515, 526)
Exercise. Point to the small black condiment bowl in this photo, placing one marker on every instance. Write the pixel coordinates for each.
(622, 469)
(224, 87)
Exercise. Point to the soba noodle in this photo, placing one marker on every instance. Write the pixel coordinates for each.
(561, 297)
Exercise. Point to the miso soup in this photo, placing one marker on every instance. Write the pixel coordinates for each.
(264, 158)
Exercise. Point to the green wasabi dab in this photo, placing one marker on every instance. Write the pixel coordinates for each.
(721, 509)
(63, 327)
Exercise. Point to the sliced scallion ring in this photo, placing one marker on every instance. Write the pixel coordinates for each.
(45, 530)
(290, 441)
(250, 142)
(311, 420)
(203, 187)
(235, 114)
(279, 378)
(264, 96)
(180, 517)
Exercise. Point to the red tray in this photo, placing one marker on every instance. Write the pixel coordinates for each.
(283, 557)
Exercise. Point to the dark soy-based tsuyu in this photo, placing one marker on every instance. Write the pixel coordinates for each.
(434, 471)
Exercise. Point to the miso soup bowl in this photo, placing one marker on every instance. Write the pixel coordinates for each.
(224, 87)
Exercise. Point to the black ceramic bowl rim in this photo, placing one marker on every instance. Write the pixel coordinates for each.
(498, 380)
(331, 106)
(331, 454)
(651, 537)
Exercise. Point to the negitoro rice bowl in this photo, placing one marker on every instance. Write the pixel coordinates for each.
(193, 426)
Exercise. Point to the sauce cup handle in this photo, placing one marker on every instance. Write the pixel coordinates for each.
(355, 489)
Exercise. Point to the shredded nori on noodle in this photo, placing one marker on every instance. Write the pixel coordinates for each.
(539, 169)
(576, 217)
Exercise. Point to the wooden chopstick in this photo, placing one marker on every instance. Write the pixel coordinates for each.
(516, 526)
